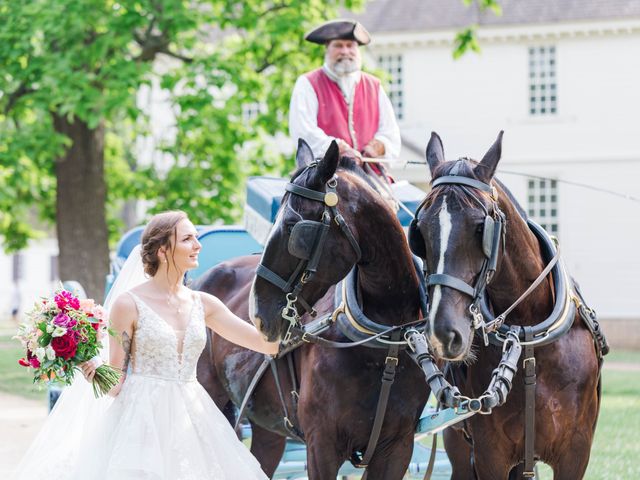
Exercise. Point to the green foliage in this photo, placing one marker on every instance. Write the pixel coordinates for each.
(466, 40)
(87, 60)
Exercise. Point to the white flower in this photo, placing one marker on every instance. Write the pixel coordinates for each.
(32, 345)
(40, 354)
(58, 331)
(51, 353)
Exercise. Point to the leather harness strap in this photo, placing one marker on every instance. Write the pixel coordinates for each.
(529, 372)
(289, 426)
(388, 377)
(252, 386)
(432, 458)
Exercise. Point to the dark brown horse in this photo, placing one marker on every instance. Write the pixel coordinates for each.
(452, 236)
(338, 388)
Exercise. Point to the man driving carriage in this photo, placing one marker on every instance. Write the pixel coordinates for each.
(340, 102)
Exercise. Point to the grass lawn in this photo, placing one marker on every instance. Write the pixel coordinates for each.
(624, 356)
(14, 378)
(616, 448)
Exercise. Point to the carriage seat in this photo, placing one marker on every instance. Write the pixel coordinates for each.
(264, 195)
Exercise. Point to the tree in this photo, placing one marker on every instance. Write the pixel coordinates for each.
(71, 72)
(466, 39)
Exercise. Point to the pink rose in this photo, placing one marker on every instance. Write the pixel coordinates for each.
(87, 305)
(99, 313)
(64, 320)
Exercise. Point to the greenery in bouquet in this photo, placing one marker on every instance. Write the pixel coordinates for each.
(61, 333)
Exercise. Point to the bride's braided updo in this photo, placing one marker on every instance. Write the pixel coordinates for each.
(158, 233)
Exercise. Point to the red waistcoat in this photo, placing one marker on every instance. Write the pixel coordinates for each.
(333, 111)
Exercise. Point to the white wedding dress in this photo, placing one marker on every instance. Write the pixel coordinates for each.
(162, 426)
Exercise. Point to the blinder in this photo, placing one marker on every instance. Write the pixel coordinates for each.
(416, 240)
(305, 236)
(491, 237)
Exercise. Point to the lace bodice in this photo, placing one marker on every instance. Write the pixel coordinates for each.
(156, 344)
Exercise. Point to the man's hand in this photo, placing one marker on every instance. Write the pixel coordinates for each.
(347, 151)
(373, 149)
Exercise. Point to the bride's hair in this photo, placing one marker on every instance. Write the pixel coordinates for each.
(158, 233)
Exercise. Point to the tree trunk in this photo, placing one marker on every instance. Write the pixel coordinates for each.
(80, 207)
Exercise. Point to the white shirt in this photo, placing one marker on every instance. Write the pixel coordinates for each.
(303, 118)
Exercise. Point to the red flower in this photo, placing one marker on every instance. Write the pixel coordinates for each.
(65, 346)
(29, 361)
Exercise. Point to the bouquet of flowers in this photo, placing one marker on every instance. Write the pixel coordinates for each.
(60, 334)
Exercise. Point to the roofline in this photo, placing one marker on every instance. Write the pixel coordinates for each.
(508, 33)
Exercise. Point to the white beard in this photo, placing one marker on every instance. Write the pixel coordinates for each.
(345, 66)
(346, 81)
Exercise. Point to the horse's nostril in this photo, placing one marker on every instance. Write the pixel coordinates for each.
(453, 343)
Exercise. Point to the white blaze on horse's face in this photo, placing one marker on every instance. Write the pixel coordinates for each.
(445, 230)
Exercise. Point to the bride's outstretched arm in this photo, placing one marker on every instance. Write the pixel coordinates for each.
(122, 318)
(222, 321)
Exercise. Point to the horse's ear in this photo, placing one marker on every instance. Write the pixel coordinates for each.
(328, 165)
(304, 155)
(435, 152)
(487, 166)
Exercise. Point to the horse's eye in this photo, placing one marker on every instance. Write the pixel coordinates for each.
(289, 228)
(480, 229)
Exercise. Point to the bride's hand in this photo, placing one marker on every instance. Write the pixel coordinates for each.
(89, 368)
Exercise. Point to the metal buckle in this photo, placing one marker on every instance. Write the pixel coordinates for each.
(390, 359)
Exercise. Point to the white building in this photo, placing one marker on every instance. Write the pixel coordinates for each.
(33, 273)
(561, 78)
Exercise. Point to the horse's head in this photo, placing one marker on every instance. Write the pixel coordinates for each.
(458, 232)
(313, 243)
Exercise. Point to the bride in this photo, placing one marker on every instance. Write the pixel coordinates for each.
(161, 425)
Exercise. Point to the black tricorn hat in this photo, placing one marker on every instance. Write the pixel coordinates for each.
(339, 30)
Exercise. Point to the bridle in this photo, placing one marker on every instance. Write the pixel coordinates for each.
(493, 236)
(306, 243)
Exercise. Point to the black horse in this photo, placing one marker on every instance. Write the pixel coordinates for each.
(479, 247)
(338, 388)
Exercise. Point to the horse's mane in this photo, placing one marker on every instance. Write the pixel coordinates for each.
(346, 163)
(465, 168)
